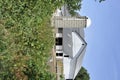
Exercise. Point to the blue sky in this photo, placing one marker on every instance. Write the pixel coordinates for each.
(102, 59)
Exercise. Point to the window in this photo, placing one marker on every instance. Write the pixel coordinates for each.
(66, 55)
(58, 41)
(60, 30)
(59, 54)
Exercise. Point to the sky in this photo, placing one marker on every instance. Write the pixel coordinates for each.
(102, 58)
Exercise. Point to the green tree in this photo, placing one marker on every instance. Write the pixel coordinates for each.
(73, 5)
(26, 39)
(100, 1)
(82, 75)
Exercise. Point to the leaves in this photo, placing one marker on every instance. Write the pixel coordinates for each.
(82, 74)
(100, 1)
(73, 5)
(26, 39)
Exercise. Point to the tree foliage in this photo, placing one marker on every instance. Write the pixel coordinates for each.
(82, 75)
(73, 5)
(25, 39)
(100, 1)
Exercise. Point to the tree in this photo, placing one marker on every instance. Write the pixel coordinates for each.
(100, 1)
(82, 75)
(26, 39)
(73, 5)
